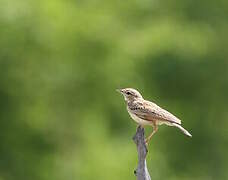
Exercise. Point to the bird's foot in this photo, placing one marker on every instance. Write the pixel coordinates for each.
(146, 142)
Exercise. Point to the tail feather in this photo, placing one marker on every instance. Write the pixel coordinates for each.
(182, 129)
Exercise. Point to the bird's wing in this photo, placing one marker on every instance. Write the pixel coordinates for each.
(150, 111)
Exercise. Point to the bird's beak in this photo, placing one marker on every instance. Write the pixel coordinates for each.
(119, 90)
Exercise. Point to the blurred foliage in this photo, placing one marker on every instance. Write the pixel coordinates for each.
(61, 61)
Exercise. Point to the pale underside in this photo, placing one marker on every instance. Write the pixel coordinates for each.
(146, 122)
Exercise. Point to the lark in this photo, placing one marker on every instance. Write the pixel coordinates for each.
(148, 113)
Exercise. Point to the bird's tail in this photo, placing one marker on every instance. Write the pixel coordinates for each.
(182, 129)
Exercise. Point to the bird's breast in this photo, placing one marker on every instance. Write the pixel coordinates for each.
(138, 119)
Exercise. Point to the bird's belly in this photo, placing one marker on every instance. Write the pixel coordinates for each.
(139, 120)
(164, 122)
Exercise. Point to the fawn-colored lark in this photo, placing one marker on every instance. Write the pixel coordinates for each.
(148, 113)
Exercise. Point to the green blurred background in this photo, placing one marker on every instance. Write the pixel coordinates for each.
(61, 61)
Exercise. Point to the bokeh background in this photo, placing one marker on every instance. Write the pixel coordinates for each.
(61, 61)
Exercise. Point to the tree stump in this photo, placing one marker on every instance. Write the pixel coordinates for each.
(141, 172)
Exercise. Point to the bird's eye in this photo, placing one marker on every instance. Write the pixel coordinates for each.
(128, 93)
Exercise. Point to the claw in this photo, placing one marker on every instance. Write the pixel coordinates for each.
(146, 143)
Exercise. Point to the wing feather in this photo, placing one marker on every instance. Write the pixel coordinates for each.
(150, 111)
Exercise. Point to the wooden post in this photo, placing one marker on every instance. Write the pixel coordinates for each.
(141, 172)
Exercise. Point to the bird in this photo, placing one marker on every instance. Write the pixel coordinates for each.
(147, 113)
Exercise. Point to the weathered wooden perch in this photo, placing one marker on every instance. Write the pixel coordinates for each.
(141, 172)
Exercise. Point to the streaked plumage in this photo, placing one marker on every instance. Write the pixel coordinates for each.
(148, 113)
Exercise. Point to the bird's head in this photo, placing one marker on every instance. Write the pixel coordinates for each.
(130, 94)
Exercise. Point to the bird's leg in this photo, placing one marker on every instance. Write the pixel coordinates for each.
(155, 128)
